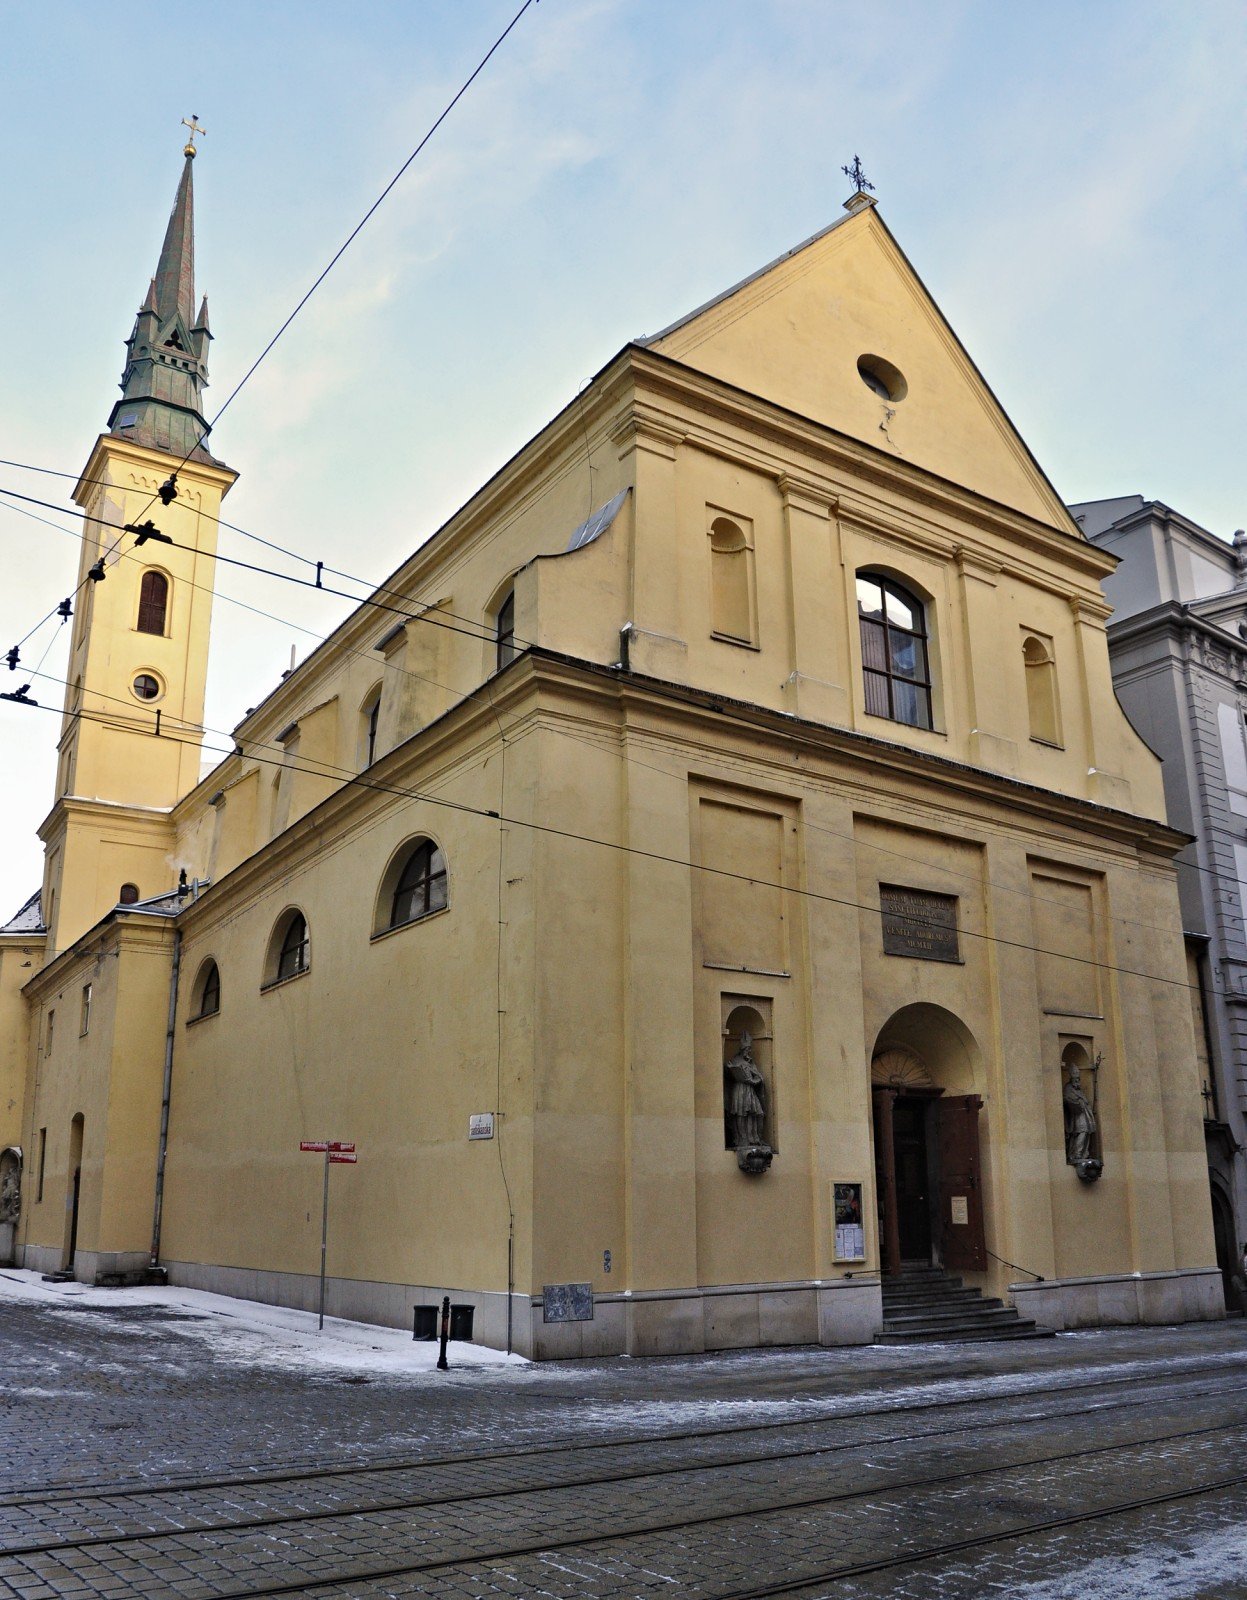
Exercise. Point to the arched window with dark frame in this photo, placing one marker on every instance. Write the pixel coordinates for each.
(504, 632)
(129, 894)
(206, 996)
(896, 663)
(153, 602)
(293, 955)
(421, 885)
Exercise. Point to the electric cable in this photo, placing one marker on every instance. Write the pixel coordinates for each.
(483, 694)
(570, 835)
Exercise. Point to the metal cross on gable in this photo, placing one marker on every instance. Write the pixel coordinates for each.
(195, 128)
(858, 175)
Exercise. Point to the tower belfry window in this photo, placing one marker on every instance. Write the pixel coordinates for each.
(153, 602)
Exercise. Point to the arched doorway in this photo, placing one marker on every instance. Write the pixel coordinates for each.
(1226, 1241)
(924, 1072)
(74, 1193)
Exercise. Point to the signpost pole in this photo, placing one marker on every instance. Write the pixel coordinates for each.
(324, 1240)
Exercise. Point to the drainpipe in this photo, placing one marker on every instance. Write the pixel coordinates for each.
(166, 1087)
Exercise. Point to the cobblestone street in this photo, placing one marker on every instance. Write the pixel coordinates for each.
(144, 1457)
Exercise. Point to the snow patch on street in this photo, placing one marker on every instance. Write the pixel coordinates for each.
(248, 1333)
(1205, 1564)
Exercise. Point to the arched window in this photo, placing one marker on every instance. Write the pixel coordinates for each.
(153, 602)
(731, 582)
(1041, 698)
(896, 666)
(129, 894)
(504, 632)
(206, 993)
(420, 886)
(289, 950)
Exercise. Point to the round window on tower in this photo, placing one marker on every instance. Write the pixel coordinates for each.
(147, 686)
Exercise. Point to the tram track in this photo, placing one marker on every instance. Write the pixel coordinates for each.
(477, 1556)
(300, 1472)
(648, 1470)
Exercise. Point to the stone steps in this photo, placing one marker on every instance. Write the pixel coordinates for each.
(924, 1305)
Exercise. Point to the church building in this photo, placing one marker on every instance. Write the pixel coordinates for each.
(710, 888)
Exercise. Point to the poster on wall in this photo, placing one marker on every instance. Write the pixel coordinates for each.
(850, 1229)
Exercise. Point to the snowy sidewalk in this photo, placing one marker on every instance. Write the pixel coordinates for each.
(253, 1334)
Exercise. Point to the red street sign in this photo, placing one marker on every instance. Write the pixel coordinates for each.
(344, 1146)
(342, 1155)
(316, 1146)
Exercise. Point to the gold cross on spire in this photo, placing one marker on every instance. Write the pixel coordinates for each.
(194, 127)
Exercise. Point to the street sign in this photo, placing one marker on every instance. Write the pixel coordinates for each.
(337, 1152)
(481, 1125)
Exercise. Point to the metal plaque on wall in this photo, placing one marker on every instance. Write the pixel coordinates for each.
(567, 1302)
(919, 924)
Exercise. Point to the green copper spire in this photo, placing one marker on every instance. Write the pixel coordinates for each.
(166, 368)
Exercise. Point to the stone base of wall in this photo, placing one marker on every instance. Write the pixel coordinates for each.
(89, 1265)
(390, 1305)
(655, 1322)
(1191, 1294)
(741, 1316)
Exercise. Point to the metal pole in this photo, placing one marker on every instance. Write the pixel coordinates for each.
(166, 1089)
(324, 1238)
(441, 1354)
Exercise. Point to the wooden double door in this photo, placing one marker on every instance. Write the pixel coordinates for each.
(928, 1179)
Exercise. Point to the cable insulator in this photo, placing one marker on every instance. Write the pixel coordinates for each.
(96, 573)
(64, 611)
(145, 531)
(13, 657)
(168, 490)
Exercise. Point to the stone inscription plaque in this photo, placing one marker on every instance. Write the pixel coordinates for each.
(567, 1302)
(919, 924)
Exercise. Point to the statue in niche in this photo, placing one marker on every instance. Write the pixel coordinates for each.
(1080, 1128)
(745, 1091)
(10, 1185)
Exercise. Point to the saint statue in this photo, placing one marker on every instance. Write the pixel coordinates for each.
(746, 1108)
(1080, 1128)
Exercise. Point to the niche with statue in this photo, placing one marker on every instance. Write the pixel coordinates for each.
(1080, 1108)
(749, 1124)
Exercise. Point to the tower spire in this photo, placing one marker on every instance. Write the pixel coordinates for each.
(166, 369)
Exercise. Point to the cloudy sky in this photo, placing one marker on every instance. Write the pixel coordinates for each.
(1067, 177)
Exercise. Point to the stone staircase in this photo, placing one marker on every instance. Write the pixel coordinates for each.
(924, 1305)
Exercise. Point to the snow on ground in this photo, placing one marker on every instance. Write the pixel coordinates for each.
(251, 1334)
(1205, 1563)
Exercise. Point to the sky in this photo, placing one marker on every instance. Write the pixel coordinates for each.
(1068, 179)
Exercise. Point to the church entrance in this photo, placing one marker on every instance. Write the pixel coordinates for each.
(928, 1176)
(913, 1178)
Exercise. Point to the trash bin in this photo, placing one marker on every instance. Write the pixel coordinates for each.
(424, 1323)
(461, 1323)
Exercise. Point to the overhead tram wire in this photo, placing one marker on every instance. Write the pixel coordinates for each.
(320, 278)
(483, 696)
(358, 780)
(270, 544)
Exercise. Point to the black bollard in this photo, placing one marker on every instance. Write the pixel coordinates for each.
(442, 1362)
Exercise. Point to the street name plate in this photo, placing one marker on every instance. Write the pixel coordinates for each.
(481, 1125)
(919, 924)
(567, 1302)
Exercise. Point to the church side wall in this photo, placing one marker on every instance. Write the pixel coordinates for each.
(389, 1041)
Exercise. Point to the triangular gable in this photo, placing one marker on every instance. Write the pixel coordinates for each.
(795, 332)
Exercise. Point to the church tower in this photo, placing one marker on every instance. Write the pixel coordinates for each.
(133, 725)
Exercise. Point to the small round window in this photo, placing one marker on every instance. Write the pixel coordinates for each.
(887, 381)
(146, 686)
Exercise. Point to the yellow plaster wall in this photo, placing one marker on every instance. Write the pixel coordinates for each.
(18, 962)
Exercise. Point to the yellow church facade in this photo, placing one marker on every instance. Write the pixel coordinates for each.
(709, 880)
